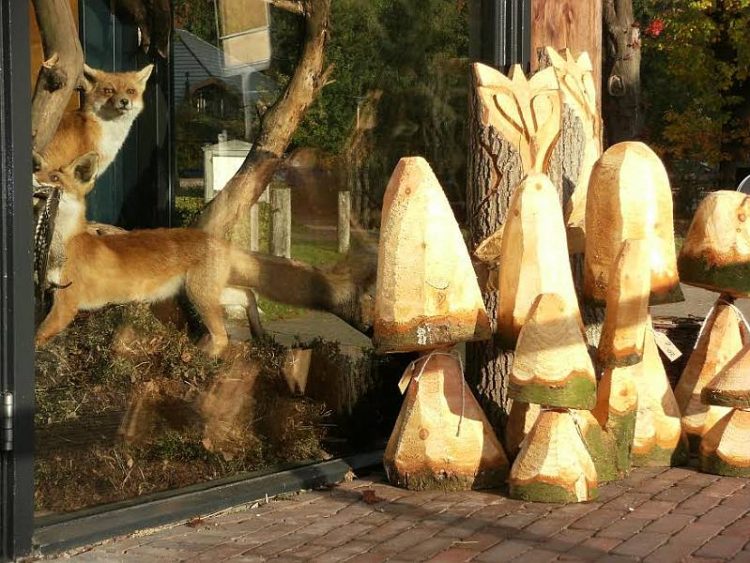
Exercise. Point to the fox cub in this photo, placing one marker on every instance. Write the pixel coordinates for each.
(151, 265)
(111, 103)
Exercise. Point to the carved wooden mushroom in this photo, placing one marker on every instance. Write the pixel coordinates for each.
(659, 439)
(442, 438)
(552, 366)
(554, 464)
(629, 197)
(716, 251)
(534, 257)
(427, 295)
(731, 386)
(723, 336)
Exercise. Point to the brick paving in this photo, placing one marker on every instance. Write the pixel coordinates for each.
(687, 516)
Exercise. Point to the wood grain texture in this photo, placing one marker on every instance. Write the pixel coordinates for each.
(626, 315)
(659, 439)
(427, 293)
(568, 24)
(716, 251)
(731, 386)
(629, 197)
(442, 439)
(534, 257)
(722, 338)
(521, 419)
(552, 366)
(724, 449)
(553, 464)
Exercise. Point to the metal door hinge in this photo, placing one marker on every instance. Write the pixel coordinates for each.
(6, 422)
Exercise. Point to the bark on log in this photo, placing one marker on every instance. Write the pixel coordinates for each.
(621, 83)
(60, 72)
(278, 125)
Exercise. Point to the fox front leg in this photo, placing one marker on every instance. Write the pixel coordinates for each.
(63, 312)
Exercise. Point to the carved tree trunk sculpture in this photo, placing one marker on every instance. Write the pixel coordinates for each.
(621, 76)
(60, 72)
(278, 124)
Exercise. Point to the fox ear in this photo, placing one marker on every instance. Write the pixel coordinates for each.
(144, 73)
(85, 167)
(37, 161)
(90, 74)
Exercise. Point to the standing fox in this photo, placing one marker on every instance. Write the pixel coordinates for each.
(111, 103)
(152, 265)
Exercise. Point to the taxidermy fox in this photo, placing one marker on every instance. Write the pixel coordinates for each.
(112, 101)
(152, 265)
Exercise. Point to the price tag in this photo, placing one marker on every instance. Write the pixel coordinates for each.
(666, 346)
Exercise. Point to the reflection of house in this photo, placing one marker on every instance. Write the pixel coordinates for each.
(202, 75)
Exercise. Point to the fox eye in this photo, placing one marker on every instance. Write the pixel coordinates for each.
(131, 91)
(109, 91)
(54, 177)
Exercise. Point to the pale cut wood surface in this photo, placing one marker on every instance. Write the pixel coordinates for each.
(724, 449)
(534, 257)
(731, 386)
(442, 438)
(716, 251)
(629, 197)
(568, 24)
(659, 439)
(521, 419)
(552, 365)
(576, 78)
(553, 455)
(427, 294)
(723, 337)
(526, 112)
(626, 315)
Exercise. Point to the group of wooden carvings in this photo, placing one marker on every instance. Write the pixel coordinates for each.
(568, 430)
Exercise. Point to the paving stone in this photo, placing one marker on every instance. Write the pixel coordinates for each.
(592, 549)
(722, 547)
(654, 509)
(641, 544)
(623, 529)
(369, 557)
(427, 548)
(740, 528)
(402, 542)
(598, 519)
(566, 539)
(627, 501)
(505, 551)
(538, 555)
(670, 523)
(724, 487)
(342, 552)
(454, 555)
(655, 486)
(697, 504)
(678, 493)
(480, 541)
(549, 526)
(341, 535)
(724, 515)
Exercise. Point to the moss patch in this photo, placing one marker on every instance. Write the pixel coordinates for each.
(734, 278)
(444, 481)
(577, 393)
(663, 457)
(715, 465)
(544, 492)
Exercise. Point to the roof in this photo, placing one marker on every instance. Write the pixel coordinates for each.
(197, 60)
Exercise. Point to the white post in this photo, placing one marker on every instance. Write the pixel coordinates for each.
(281, 222)
(344, 225)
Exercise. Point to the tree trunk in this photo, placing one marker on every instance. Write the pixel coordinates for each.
(61, 69)
(278, 126)
(621, 83)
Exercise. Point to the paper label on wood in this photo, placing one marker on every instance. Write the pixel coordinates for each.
(666, 346)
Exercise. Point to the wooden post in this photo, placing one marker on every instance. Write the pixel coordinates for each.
(281, 222)
(344, 223)
(254, 228)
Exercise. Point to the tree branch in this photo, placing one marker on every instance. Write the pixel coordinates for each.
(288, 5)
(61, 71)
(279, 124)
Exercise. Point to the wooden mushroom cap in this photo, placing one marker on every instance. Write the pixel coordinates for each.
(722, 339)
(625, 318)
(659, 439)
(553, 464)
(724, 449)
(716, 251)
(427, 293)
(534, 257)
(629, 198)
(442, 439)
(552, 366)
(731, 386)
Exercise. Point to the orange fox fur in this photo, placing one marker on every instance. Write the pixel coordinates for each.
(151, 265)
(111, 103)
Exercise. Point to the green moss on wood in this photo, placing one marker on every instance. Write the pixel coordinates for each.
(579, 392)
(672, 295)
(724, 398)
(428, 333)
(694, 443)
(733, 278)
(545, 492)
(715, 465)
(663, 457)
(602, 451)
(622, 431)
(427, 480)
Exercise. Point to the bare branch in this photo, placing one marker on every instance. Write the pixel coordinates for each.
(279, 124)
(288, 5)
(60, 72)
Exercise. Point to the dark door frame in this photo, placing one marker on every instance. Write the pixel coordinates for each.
(16, 287)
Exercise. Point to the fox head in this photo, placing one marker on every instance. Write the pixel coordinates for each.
(75, 179)
(112, 95)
